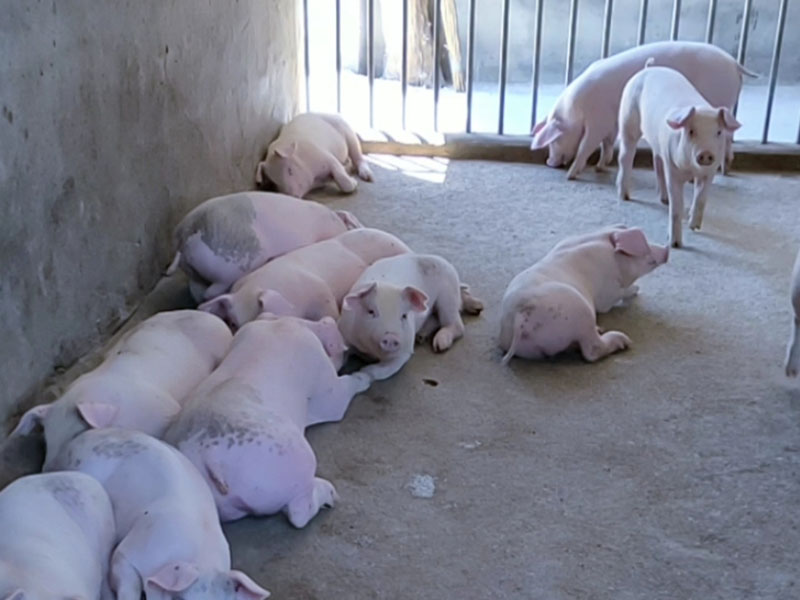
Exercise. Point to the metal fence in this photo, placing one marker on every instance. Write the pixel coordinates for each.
(571, 33)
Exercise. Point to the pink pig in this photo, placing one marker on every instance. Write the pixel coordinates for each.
(141, 382)
(585, 114)
(243, 427)
(311, 149)
(225, 238)
(552, 306)
(170, 542)
(309, 282)
(793, 352)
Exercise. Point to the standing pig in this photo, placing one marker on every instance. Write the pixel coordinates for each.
(793, 353)
(585, 114)
(552, 305)
(57, 535)
(687, 136)
(141, 382)
(311, 149)
(309, 282)
(243, 427)
(395, 299)
(170, 542)
(227, 237)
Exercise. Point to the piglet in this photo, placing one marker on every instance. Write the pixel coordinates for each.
(309, 282)
(311, 149)
(243, 427)
(793, 352)
(170, 543)
(552, 306)
(56, 535)
(141, 382)
(395, 299)
(686, 133)
(225, 238)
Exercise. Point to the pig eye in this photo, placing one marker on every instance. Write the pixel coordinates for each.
(691, 133)
(290, 172)
(405, 316)
(719, 133)
(371, 312)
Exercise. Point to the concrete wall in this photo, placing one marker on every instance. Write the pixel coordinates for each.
(117, 118)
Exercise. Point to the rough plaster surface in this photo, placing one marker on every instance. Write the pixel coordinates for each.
(117, 118)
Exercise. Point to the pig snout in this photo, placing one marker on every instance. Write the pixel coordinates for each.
(390, 342)
(705, 158)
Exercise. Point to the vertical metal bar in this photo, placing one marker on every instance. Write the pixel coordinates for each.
(404, 62)
(503, 66)
(537, 53)
(798, 134)
(642, 22)
(306, 60)
(338, 55)
(743, 39)
(607, 28)
(773, 69)
(712, 15)
(676, 19)
(437, 59)
(371, 58)
(470, 62)
(573, 26)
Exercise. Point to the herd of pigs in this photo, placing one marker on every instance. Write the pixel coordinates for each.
(285, 288)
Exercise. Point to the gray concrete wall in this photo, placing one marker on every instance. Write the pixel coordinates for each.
(117, 118)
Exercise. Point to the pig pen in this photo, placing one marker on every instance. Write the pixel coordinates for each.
(666, 471)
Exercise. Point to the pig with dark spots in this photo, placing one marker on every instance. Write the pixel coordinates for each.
(243, 427)
(141, 382)
(170, 542)
(309, 282)
(56, 536)
(399, 300)
(553, 305)
(225, 238)
(793, 352)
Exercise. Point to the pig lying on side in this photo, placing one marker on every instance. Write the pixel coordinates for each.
(793, 353)
(140, 383)
(585, 114)
(57, 535)
(243, 427)
(552, 305)
(311, 149)
(395, 299)
(309, 282)
(227, 237)
(171, 544)
(687, 136)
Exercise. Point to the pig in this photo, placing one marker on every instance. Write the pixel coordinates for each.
(309, 282)
(311, 149)
(793, 352)
(141, 382)
(552, 306)
(394, 301)
(585, 114)
(225, 238)
(687, 136)
(243, 427)
(169, 540)
(57, 535)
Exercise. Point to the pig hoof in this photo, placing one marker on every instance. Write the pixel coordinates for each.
(792, 370)
(442, 340)
(365, 172)
(665, 200)
(469, 304)
(304, 508)
(350, 185)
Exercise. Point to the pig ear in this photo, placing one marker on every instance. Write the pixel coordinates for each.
(349, 219)
(358, 295)
(174, 577)
(245, 588)
(222, 306)
(31, 419)
(286, 151)
(97, 415)
(416, 298)
(680, 116)
(545, 133)
(631, 242)
(727, 120)
(274, 302)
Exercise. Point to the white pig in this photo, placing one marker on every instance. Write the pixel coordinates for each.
(793, 352)
(170, 543)
(56, 535)
(687, 136)
(552, 306)
(394, 300)
(227, 237)
(311, 149)
(309, 282)
(585, 114)
(243, 427)
(141, 382)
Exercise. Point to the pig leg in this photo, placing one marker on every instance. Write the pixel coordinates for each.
(701, 185)
(346, 183)
(125, 579)
(469, 303)
(595, 346)
(661, 182)
(429, 327)
(728, 160)
(606, 152)
(301, 509)
(675, 190)
(627, 150)
(588, 144)
(354, 150)
(331, 405)
(448, 311)
(793, 353)
(385, 369)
